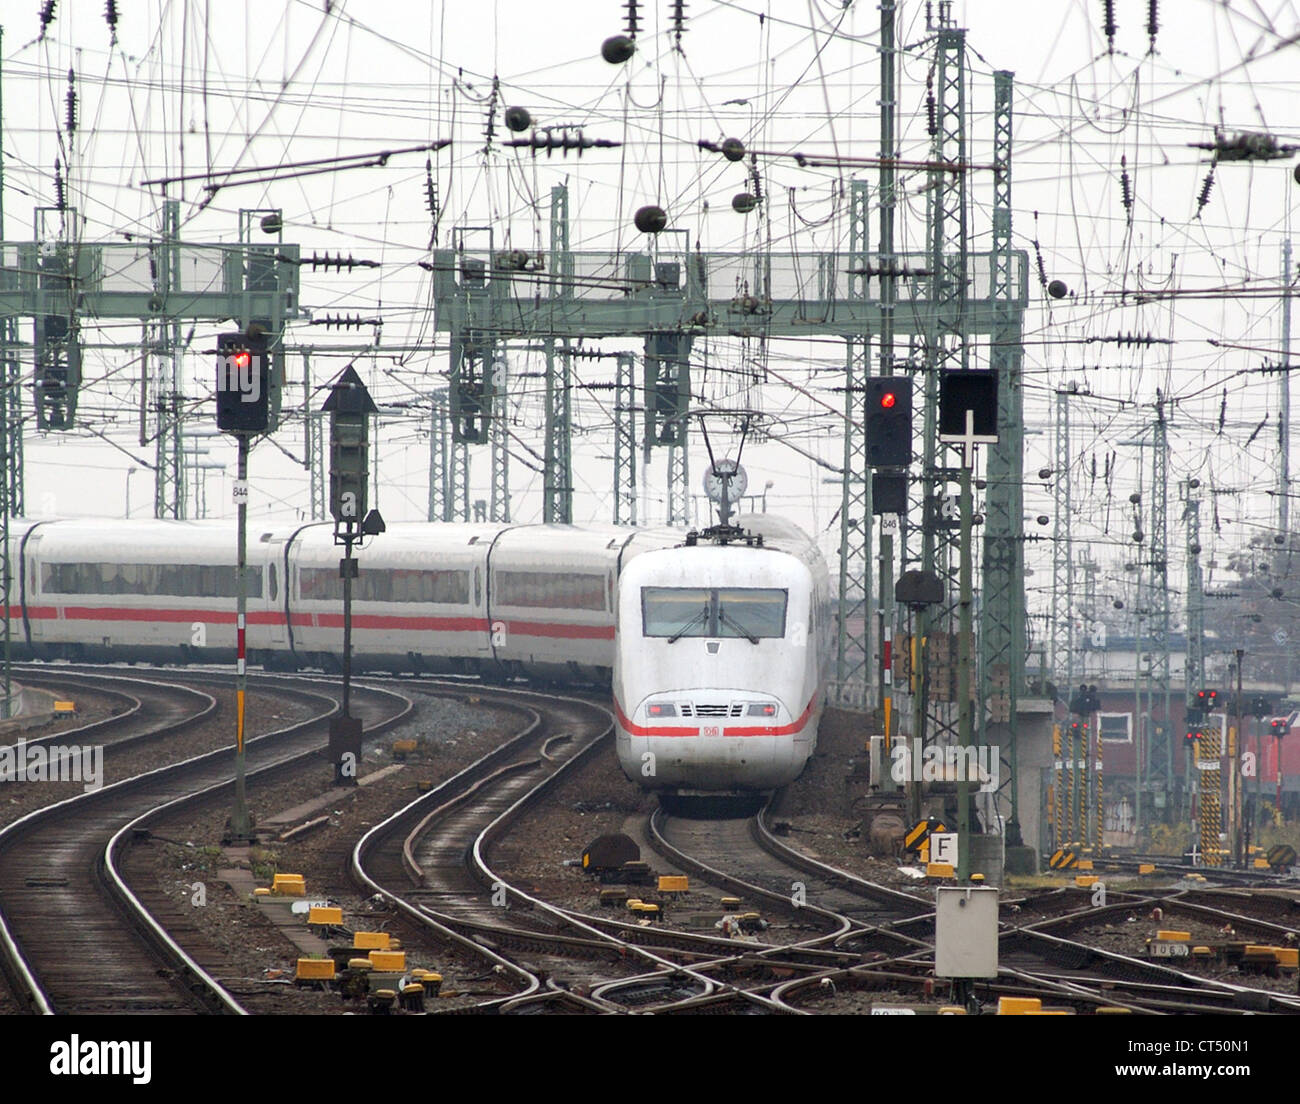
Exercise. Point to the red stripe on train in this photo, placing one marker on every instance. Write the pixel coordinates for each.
(553, 630)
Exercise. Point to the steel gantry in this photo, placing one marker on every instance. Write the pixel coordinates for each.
(1061, 663)
(1002, 628)
(672, 296)
(162, 283)
(557, 477)
(1160, 744)
(625, 441)
(946, 348)
(1194, 676)
(448, 464)
(854, 675)
(499, 436)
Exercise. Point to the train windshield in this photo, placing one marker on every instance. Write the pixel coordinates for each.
(751, 612)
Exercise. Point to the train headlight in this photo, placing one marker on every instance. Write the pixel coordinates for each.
(762, 709)
(661, 709)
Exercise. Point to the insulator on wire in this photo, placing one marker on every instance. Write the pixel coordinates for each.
(490, 130)
(1223, 410)
(633, 18)
(1153, 21)
(567, 138)
(1125, 185)
(70, 118)
(1125, 339)
(679, 21)
(47, 17)
(1108, 24)
(1251, 439)
(1207, 185)
(339, 263)
(110, 17)
(1042, 268)
(60, 193)
(430, 190)
(345, 321)
(931, 110)
(755, 178)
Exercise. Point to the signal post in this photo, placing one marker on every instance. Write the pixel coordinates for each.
(247, 406)
(968, 405)
(350, 407)
(889, 447)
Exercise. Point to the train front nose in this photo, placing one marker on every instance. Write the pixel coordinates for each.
(687, 743)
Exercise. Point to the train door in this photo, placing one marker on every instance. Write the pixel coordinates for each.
(34, 626)
(273, 596)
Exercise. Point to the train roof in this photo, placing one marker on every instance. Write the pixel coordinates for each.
(122, 538)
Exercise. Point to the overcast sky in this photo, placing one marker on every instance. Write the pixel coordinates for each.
(192, 87)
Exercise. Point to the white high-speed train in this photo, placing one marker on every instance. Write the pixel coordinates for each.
(721, 659)
(495, 600)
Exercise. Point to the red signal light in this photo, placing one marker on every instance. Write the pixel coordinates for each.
(888, 399)
(242, 359)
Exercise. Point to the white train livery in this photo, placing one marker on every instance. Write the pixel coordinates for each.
(720, 661)
(700, 626)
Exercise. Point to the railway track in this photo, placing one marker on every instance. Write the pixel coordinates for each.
(431, 860)
(75, 936)
(149, 711)
(548, 958)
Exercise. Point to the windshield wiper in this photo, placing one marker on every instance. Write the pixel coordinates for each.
(702, 616)
(726, 619)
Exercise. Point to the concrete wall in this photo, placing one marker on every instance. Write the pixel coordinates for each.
(1034, 757)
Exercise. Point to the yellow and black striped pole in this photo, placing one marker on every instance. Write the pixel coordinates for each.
(1058, 840)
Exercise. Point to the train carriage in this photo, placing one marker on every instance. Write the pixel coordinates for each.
(157, 591)
(419, 600)
(734, 638)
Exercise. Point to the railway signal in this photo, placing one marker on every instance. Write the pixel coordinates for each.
(1207, 700)
(247, 405)
(350, 407)
(889, 421)
(1086, 700)
(58, 371)
(244, 384)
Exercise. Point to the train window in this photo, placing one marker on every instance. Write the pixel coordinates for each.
(478, 586)
(753, 612)
(550, 590)
(322, 584)
(677, 611)
(274, 589)
(170, 580)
